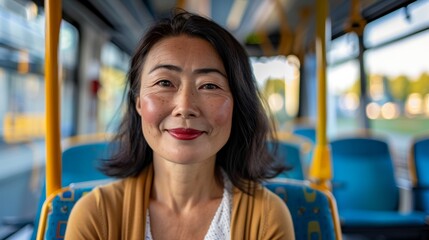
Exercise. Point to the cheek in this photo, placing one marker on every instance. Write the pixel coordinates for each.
(151, 106)
(222, 114)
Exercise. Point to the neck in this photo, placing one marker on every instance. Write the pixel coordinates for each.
(183, 186)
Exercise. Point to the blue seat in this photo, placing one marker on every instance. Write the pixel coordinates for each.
(292, 152)
(80, 164)
(59, 211)
(366, 191)
(57, 208)
(419, 173)
(307, 132)
(313, 212)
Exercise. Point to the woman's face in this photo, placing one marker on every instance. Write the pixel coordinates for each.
(185, 102)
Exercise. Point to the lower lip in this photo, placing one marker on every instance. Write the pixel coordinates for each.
(185, 136)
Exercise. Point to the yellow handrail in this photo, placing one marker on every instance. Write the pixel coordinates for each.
(53, 135)
(320, 171)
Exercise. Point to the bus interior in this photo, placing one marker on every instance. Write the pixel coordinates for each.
(376, 95)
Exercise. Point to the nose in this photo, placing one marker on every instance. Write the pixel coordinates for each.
(186, 103)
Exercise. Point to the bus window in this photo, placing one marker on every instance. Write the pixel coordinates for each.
(398, 75)
(343, 85)
(278, 80)
(398, 24)
(22, 103)
(69, 43)
(114, 65)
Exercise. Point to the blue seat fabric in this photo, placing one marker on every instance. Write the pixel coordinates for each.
(79, 164)
(59, 212)
(307, 132)
(290, 155)
(421, 160)
(365, 186)
(309, 208)
(381, 218)
(363, 172)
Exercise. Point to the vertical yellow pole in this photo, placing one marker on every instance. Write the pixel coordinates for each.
(286, 40)
(320, 169)
(52, 89)
(181, 4)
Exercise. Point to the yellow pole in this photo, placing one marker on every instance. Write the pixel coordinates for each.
(286, 39)
(181, 4)
(53, 136)
(320, 169)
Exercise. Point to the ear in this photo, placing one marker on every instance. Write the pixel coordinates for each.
(138, 106)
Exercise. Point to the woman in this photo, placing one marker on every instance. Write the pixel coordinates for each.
(192, 149)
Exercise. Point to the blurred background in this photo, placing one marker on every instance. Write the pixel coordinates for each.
(377, 73)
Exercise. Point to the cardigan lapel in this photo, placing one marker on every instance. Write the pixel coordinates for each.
(136, 202)
(246, 215)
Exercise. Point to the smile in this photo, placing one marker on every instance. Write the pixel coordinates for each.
(185, 133)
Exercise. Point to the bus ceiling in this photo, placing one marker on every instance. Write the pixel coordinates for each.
(288, 24)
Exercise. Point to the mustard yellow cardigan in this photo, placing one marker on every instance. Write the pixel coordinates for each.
(118, 211)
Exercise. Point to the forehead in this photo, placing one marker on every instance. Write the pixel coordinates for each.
(182, 48)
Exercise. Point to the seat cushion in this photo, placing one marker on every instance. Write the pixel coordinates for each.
(369, 218)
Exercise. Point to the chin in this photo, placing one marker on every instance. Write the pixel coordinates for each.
(188, 159)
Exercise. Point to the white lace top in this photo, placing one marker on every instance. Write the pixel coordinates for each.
(220, 226)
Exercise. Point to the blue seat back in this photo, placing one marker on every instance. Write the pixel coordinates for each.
(307, 132)
(363, 175)
(420, 153)
(59, 212)
(312, 213)
(290, 155)
(80, 164)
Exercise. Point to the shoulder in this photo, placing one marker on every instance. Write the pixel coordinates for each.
(270, 217)
(271, 204)
(103, 196)
(278, 221)
(274, 204)
(91, 216)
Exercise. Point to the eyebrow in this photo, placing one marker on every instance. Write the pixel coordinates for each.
(196, 71)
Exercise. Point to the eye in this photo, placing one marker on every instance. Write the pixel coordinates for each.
(209, 86)
(164, 83)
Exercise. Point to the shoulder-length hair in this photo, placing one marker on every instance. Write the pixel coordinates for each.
(245, 156)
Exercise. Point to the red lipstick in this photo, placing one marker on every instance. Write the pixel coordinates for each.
(185, 133)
